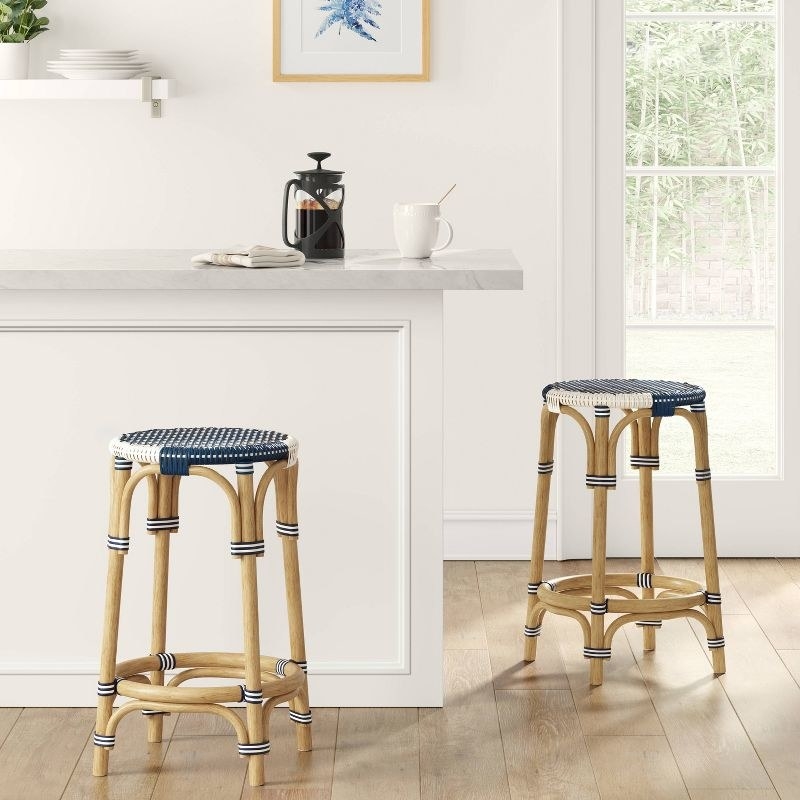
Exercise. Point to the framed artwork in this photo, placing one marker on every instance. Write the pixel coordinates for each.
(351, 40)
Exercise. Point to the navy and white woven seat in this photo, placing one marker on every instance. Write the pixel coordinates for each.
(662, 396)
(177, 449)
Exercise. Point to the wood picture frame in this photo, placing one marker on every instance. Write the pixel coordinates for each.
(420, 50)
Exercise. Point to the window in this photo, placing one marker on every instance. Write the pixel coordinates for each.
(702, 273)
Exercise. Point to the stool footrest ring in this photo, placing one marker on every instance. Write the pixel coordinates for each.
(680, 594)
(279, 677)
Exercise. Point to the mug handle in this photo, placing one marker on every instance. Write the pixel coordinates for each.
(449, 235)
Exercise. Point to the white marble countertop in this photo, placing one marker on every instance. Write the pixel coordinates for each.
(370, 270)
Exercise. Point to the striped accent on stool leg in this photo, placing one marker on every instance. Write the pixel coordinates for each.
(597, 652)
(287, 528)
(162, 524)
(713, 599)
(645, 461)
(252, 695)
(107, 689)
(147, 713)
(531, 632)
(702, 474)
(648, 623)
(698, 408)
(303, 665)
(601, 480)
(258, 749)
(122, 464)
(244, 469)
(118, 543)
(247, 548)
(280, 666)
(713, 644)
(299, 717)
(545, 467)
(599, 608)
(644, 580)
(101, 740)
(166, 661)
(602, 411)
(533, 588)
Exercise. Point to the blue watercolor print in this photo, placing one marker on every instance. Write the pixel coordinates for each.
(354, 15)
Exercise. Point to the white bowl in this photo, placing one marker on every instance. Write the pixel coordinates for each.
(83, 73)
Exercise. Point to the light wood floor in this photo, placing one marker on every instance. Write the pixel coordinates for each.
(660, 726)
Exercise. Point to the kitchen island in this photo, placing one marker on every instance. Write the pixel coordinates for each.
(344, 355)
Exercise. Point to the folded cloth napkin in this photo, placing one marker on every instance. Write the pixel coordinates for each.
(257, 256)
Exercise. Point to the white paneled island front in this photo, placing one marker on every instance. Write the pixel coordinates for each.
(345, 355)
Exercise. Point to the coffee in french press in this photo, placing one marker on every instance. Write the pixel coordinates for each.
(318, 200)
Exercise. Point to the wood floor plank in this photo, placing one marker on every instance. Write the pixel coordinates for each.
(206, 724)
(133, 765)
(463, 617)
(791, 658)
(734, 794)
(767, 700)
(41, 752)
(710, 745)
(692, 568)
(8, 716)
(622, 705)
(201, 767)
(772, 597)
(298, 776)
(461, 751)
(545, 751)
(377, 754)
(504, 600)
(635, 766)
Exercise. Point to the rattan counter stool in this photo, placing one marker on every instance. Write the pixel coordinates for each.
(165, 456)
(643, 405)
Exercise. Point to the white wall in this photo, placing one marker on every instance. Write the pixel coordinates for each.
(211, 172)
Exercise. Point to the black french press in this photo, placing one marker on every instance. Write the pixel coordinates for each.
(318, 201)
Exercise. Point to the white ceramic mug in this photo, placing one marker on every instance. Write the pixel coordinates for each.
(416, 228)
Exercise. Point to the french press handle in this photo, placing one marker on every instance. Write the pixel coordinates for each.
(285, 229)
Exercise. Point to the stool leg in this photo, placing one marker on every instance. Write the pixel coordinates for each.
(165, 506)
(703, 474)
(646, 521)
(545, 467)
(252, 644)
(597, 621)
(286, 503)
(108, 655)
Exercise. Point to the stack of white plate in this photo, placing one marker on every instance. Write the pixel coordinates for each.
(98, 64)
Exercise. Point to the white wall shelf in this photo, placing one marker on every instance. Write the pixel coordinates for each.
(149, 90)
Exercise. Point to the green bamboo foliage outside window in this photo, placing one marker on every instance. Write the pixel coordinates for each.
(700, 94)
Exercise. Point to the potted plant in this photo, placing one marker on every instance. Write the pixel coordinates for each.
(18, 25)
